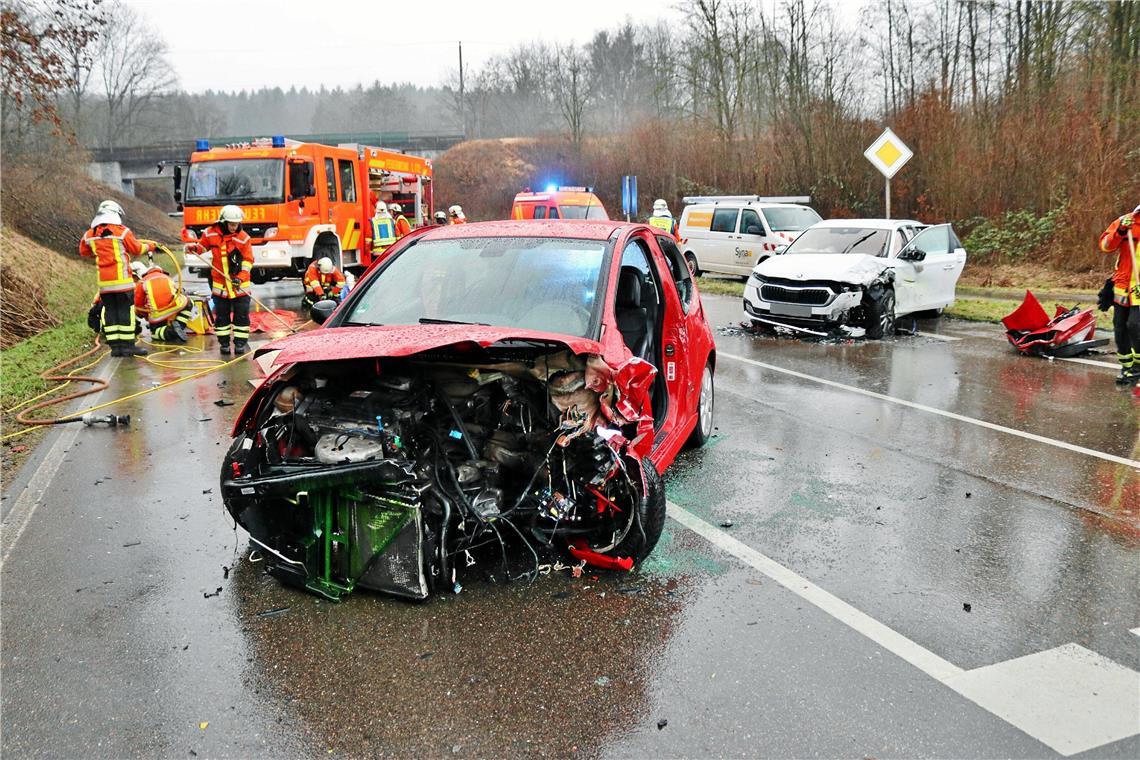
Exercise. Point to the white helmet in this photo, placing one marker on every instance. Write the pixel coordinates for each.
(138, 269)
(381, 209)
(455, 211)
(660, 205)
(325, 265)
(231, 213)
(395, 208)
(110, 207)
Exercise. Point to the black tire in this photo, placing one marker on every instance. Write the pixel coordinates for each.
(691, 260)
(879, 314)
(258, 277)
(704, 427)
(650, 518)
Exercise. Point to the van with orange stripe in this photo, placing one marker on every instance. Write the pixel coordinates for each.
(301, 200)
(730, 234)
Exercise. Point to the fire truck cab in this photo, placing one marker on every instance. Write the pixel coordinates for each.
(558, 203)
(301, 200)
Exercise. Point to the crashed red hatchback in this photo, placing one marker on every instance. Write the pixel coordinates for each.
(492, 396)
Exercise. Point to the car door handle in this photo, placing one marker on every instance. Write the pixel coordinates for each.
(949, 266)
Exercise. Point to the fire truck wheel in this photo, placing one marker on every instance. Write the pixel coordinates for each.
(258, 277)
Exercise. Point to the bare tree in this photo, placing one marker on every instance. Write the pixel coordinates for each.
(133, 71)
(572, 89)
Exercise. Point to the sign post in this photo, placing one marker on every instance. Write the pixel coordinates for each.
(888, 154)
(629, 195)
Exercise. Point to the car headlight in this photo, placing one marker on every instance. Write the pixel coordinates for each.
(755, 280)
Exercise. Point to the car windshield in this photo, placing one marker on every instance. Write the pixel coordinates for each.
(840, 240)
(254, 180)
(547, 284)
(583, 212)
(790, 219)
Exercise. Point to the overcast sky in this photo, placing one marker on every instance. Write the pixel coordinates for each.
(247, 44)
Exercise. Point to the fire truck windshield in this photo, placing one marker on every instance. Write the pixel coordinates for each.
(253, 180)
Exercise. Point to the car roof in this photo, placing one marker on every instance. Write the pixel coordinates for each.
(869, 224)
(599, 229)
(738, 204)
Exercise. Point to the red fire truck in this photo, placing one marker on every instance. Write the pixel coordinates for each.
(301, 201)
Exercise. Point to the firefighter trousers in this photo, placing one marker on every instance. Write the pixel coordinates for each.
(118, 319)
(232, 319)
(172, 330)
(1126, 326)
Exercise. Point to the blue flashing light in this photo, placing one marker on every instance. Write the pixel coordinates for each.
(552, 188)
(278, 141)
(202, 145)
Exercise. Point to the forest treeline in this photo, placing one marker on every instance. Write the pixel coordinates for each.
(1023, 116)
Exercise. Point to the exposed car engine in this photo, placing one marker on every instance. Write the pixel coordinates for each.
(395, 474)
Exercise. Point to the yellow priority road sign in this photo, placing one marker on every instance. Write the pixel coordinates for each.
(888, 153)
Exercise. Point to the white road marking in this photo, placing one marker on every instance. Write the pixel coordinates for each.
(936, 336)
(1092, 362)
(1135, 631)
(30, 498)
(1068, 698)
(941, 412)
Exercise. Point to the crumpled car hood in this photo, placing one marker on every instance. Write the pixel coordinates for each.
(404, 340)
(853, 268)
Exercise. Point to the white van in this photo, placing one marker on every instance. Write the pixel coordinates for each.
(731, 234)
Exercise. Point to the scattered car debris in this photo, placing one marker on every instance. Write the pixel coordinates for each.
(602, 681)
(207, 595)
(132, 543)
(223, 402)
(1070, 332)
(966, 606)
(662, 723)
(726, 523)
(274, 612)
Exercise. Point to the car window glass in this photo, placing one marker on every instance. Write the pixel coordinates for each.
(724, 220)
(790, 218)
(540, 212)
(750, 223)
(553, 212)
(682, 278)
(330, 178)
(932, 240)
(900, 241)
(547, 284)
(347, 181)
(635, 255)
(841, 240)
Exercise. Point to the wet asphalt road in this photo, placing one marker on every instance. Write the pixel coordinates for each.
(117, 644)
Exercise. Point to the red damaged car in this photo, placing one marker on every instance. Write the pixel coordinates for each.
(487, 392)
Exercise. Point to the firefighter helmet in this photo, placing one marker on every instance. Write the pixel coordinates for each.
(110, 207)
(231, 213)
(455, 211)
(138, 269)
(441, 217)
(381, 209)
(325, 265)
(660, 205)
(395, 208)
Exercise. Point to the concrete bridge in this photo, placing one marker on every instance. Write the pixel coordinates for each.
(121, 167)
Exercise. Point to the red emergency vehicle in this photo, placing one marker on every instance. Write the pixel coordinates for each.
(301, 200)
(559, 203)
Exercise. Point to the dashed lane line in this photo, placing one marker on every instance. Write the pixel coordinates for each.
(1045, 695)
(940, 412)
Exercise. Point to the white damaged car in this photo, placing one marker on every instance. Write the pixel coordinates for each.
(858, 273)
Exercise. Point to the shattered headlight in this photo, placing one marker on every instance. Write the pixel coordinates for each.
(755, 280)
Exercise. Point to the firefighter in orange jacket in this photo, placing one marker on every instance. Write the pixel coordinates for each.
(1120, 238)
(403, 226)
(457, 215)
(113, 245)
(229, 278)
(322, 280)
(159, 301)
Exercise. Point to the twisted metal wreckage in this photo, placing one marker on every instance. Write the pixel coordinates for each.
(397, 456)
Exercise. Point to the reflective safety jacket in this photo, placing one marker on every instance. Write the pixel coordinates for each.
(232, 261)
(383, 232)
(1125, 285)
(157, 297)
(403, 226)
(458, 220)
(113, 247)
(666, 223)
(321, 285)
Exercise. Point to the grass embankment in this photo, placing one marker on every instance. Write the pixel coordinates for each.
(69, 288)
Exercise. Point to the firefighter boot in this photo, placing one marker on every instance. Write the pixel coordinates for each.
(240, 348)
(130, 349)
(224, 348)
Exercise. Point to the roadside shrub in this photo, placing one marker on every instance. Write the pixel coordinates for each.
(1014, 235)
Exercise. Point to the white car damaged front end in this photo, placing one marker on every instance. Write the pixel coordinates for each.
(816, 293)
